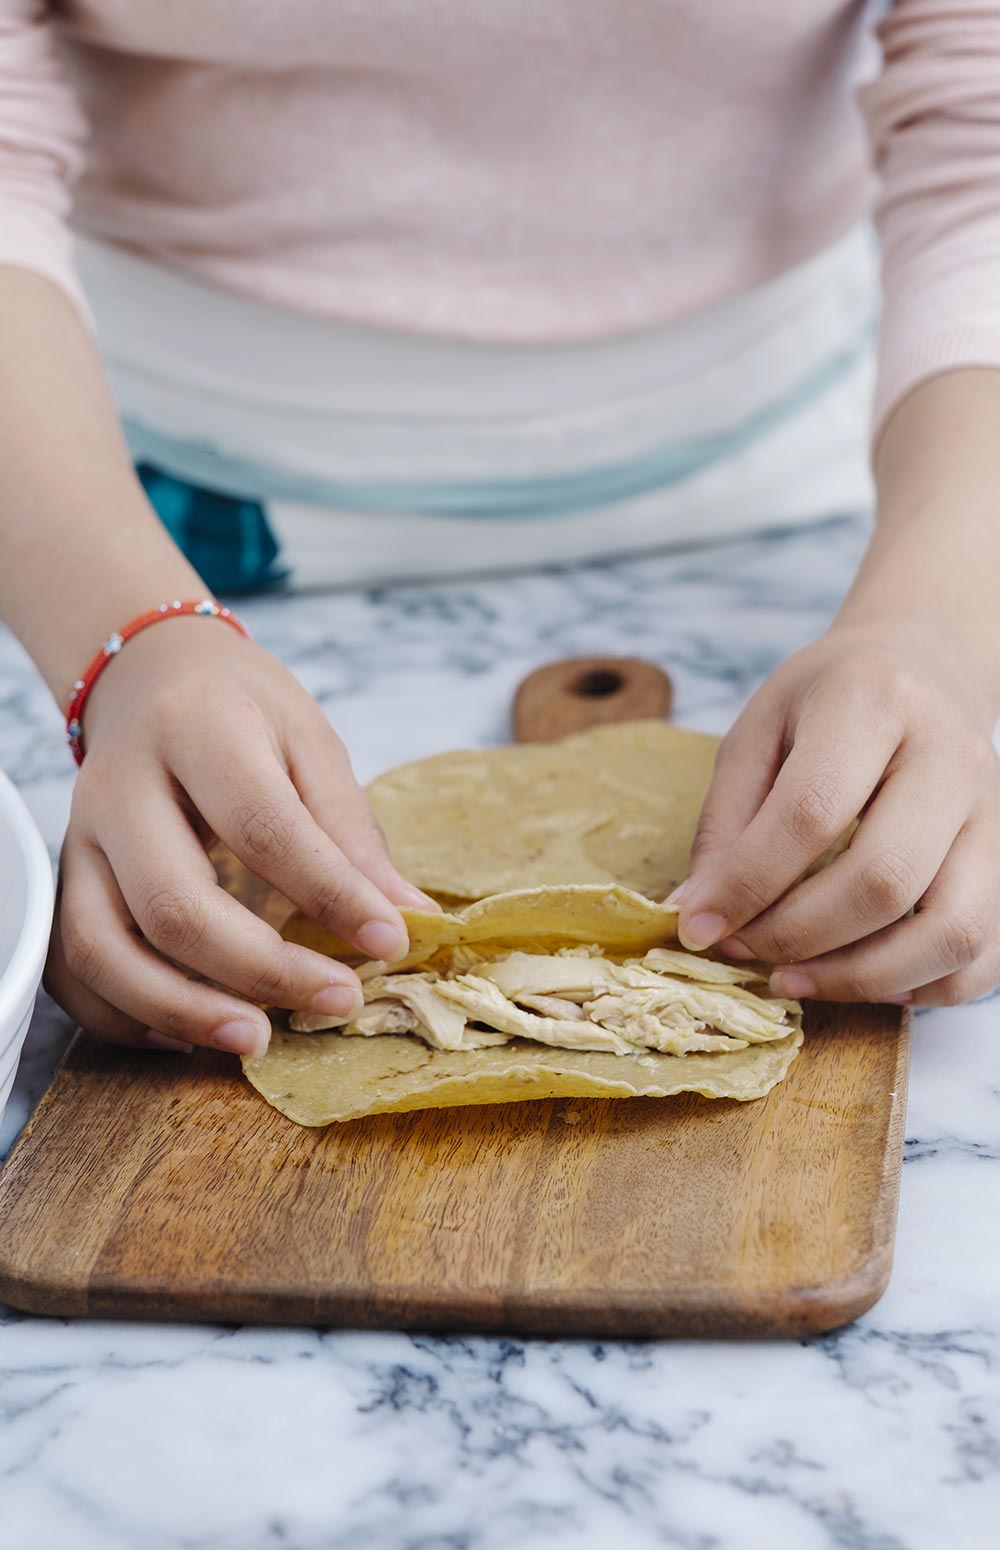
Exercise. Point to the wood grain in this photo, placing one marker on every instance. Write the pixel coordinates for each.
(153, 1187)
(167, 1189)
(582, 692)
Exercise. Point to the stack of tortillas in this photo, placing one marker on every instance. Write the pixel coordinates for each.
(568, 848)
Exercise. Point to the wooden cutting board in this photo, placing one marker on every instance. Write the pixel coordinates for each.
(150, 1187)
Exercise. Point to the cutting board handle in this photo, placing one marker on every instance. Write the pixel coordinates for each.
(583, 692)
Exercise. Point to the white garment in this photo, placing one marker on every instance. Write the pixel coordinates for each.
(385, 456)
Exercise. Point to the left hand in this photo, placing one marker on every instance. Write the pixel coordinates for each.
(871, 723)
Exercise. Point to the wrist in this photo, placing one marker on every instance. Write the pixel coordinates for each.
(64, 590)
(936, 647)
(151, 662)
(96, 610)
(928, 580)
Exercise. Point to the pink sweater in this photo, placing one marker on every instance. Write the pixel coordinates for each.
(536, 170)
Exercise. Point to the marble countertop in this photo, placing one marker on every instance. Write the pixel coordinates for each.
(883, 1436)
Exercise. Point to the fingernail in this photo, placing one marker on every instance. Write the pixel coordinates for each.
(732, 947)
(701, 930)
(379, 939)
(792, 985)
(903, 999)
(673, 899)
(164, 1041)
(337, 1001)
(417, 899)
(241, 1038)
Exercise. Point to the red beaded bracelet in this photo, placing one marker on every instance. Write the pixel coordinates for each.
(204, 607)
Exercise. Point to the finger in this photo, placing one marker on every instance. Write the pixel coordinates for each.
(746, 764)
(893, 857)
(951, 930)
(820, 788)
(255, 809)
(90, 1011)
(968, 984)
(104, 954)
(173, 895)
(321, 772)
(96, 1016)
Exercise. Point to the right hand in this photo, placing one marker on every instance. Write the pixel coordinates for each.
(194, 732)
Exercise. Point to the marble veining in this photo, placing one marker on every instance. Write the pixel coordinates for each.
(882, 1436)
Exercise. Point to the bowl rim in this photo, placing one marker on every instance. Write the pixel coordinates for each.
(19, 981)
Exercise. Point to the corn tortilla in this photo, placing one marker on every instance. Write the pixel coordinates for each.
(617, 804)
(617, 917)
(319, 1078)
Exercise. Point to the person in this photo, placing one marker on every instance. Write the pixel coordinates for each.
(374, 283)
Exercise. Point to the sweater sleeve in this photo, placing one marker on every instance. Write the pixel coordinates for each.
(934, 119)
(41, 141)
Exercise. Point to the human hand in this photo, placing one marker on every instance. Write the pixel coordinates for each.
(876, 723)
(195, 732)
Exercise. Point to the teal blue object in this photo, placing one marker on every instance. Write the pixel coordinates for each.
(228, 540)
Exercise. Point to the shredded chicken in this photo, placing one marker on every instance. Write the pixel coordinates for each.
(668, 1001)
(539, 974)
(485, 1002)
(690, 966)
(386, 1017)
(555, 1006)
(642, 1021)
(434, 1017)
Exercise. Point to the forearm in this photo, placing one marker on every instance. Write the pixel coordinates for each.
(81, 550)
(933, 565)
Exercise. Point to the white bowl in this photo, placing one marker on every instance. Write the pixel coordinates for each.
(26, 898)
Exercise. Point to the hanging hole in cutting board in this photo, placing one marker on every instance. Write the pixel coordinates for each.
(598, 683)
